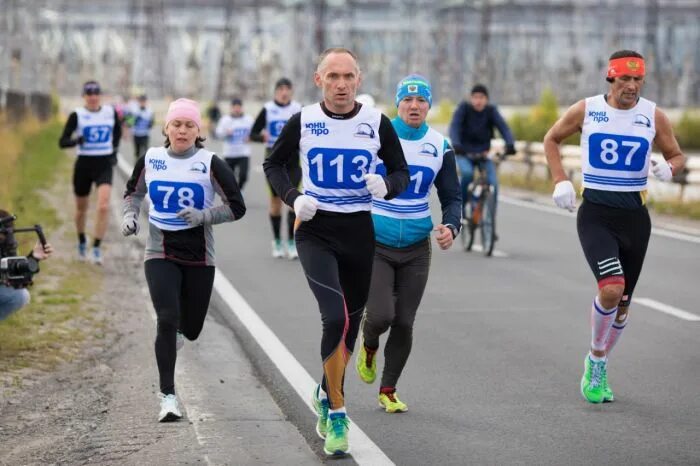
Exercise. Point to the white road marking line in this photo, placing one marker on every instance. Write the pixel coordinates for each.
(363, 449)
(535, 206)
(666, 309)
(495, 253)
(557, 211)
(675, 235)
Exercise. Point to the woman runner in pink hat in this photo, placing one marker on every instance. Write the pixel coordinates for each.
(181, 178)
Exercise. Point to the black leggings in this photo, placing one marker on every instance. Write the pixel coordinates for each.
(398, 282)
(180, 295)
(239, 165)
(614, 242)
(336, 252)
(140, 145)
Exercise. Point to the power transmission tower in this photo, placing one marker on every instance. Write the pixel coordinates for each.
(150, 71)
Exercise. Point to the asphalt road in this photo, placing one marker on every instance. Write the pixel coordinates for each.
(499, 345)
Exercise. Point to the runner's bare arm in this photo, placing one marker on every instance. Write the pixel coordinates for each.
(666, 142)
(568, 124)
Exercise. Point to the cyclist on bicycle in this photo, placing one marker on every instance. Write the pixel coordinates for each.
(471, 131)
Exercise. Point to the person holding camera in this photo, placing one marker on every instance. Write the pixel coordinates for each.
(181, 179)
(96, 130)
(13, 293)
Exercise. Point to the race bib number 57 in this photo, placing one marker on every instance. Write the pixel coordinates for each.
(617, 152)
(97, 134)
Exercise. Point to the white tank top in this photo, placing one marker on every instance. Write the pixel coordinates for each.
(336, 154)
(143, 118)
(276, 117)
(616, 145)
(96, 130)
(424, 157)
(174, 184)
(236, 144)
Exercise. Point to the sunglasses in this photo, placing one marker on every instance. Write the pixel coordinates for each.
(92, 92)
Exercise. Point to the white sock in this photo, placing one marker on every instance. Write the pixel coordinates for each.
(321, 394)
(601, 322)
(595, 358)
(614, 335)
(339, 410)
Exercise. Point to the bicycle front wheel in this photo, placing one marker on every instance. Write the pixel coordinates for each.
(488, 223)
(468, 228)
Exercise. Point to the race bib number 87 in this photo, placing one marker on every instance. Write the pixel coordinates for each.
(338, 168)
(171, 197)
(616, 152)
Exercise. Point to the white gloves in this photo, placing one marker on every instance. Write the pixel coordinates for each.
(193, 217)
(565, 196)
(130, 224)
(305, 207)
(376, 185)
(661, 170)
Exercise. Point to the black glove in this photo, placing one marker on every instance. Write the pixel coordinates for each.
(510, 149)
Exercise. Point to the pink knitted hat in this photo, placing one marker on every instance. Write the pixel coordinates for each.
(184, 108)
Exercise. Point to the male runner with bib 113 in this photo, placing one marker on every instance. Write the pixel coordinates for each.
(402, 229)
(181, 180)
(96, 130)
(617, 132)
(267, 128)
(339, 143)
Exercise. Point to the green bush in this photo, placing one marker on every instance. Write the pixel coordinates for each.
(442, 112)
(688, 130)
(533, 125)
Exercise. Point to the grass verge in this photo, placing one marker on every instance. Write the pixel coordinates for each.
(52, 328)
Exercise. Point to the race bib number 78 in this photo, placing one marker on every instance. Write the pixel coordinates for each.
(617, 152)
(171, 197)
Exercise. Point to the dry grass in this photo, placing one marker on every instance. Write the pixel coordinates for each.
(60, 317)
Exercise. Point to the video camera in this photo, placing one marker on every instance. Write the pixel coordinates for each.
(16, 271)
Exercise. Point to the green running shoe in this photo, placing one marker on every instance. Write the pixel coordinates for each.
(391, 403)
(321, 408)
(593, 381)
(608, 396)
(366, 364)
(337, 435)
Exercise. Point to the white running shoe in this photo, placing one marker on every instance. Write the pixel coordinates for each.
(82, 252)
(277, 251)
(169, 409)
(96, 256)
(292, 250)
(179, 341)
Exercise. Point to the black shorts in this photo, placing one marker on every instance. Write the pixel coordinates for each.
(614, 242)
(92, 169)
(293, 171)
